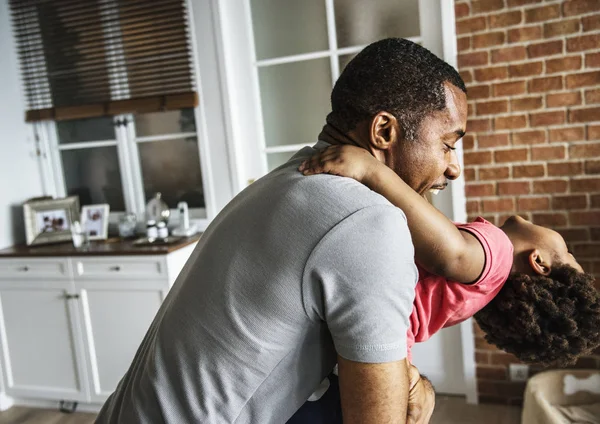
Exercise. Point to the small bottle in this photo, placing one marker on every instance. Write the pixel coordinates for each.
(151, 230)
(163, 231)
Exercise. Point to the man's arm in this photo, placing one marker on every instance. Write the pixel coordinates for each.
(373, 393)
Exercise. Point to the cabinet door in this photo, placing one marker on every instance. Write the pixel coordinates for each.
(42, 351)
(116, 316)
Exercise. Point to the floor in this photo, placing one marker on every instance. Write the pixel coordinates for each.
(448, 410)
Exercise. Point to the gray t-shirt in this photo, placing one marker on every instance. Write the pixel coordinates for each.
(292, 270)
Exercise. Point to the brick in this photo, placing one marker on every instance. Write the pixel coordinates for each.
(550, 186)
(490, 74)
(587, 250)
(569, 63)
(537, 85)
(572, 98)
(488, 39)
(501, 358)
(529, 137)
(566, 169)
(592, 166)
(466, 60)
(595, 201)
(466, 75)
(498, 205)
(477, 158)
(482, 357)
(478, 190)
(587, 150)
(584, 218)
(493, 140)
(479, 92)
(548, 153)
(568, 202)
(506, 19)
(477, 125)
(492, 108)
(517, 35)
(469, 25)
(463, 43)
(583, 42)
(509, 88)
(514, 188)
(585, 185)
(469, 174)
(468, 142)
(493, 173)
(526, 69)
(595, 233)
(510, 122)
(574, 234)
(543, 119)
(566, 134)
(516, 3)
(593, 132)
(533, 204)
(470, 109)
(526, 103)
(473, 206)
(509, 54)
(583, 79)
(543, 13)
(550, 219)
(481, 6)
(592, 96)
(562, 27)
(526, 171)
(461, 10)
(548, 48)
(511, 155)
(584, 115)
(591, 23)
(578, 7)
(491, 373)
(592, 60)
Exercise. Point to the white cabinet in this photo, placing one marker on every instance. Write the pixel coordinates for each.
(70, 327)
(42, 355)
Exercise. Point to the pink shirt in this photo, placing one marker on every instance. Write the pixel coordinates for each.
(441, 303)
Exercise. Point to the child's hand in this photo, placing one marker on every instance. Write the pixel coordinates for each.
(345, 161)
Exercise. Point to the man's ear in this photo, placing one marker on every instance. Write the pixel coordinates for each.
(538, 263)
(384, 131)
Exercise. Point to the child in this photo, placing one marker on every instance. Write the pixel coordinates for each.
(526, 291)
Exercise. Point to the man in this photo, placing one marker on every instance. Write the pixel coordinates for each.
(297, 273)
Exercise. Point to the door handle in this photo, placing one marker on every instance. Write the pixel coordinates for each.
(71, 296)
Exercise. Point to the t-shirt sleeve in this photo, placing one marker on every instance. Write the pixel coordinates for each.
(360, 279)
(498, 251)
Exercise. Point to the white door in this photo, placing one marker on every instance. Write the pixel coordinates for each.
(42, 355)
(116, 315)
(294, 53)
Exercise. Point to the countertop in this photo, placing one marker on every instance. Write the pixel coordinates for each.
(110, 247)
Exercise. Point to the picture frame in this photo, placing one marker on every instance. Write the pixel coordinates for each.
(49, 220)
(94, 221)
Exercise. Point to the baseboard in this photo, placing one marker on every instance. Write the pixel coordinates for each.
(53, 404)
(5, 402)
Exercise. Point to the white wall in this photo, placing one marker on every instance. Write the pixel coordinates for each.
(19, 173)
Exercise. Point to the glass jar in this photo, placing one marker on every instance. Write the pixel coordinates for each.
(127, 225)
(157, 210)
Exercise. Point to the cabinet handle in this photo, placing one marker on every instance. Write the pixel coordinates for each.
(71, 296)
(116, 268)
(24, 269)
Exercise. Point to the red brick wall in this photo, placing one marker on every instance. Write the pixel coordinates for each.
(532, 69)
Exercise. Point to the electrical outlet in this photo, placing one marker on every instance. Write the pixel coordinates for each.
(518, 372)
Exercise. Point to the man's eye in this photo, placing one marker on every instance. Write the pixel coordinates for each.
(449, 147)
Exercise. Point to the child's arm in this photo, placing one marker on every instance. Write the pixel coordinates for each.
(440, 247)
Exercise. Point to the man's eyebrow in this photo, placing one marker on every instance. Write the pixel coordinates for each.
(460, 133)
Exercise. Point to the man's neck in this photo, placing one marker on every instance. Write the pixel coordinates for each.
(332, 135)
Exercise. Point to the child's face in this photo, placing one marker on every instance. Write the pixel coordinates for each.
(526, 237)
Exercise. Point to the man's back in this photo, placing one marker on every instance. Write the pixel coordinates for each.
(243, 334)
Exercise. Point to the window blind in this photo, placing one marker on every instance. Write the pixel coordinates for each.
(82, 59)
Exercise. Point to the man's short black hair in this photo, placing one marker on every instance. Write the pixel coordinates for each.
(549, 320)
(393, 75)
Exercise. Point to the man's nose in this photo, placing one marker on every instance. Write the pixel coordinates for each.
(453, 169)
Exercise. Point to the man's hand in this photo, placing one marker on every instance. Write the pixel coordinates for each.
(421, 398)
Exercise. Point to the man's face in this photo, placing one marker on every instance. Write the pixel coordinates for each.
(429, 161)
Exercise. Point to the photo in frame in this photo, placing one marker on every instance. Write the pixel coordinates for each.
(49, 220)
(94, 221)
